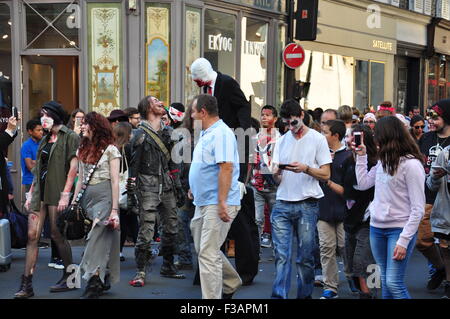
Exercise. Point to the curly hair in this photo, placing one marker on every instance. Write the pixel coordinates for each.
(90, 150)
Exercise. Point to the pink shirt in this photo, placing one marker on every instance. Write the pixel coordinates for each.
(399, 200)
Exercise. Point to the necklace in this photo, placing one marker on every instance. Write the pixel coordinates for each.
(439, 144)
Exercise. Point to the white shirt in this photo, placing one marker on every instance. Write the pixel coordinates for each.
(213, 84)
(312, 149)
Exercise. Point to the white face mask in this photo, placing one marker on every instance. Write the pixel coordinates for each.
(47, 122)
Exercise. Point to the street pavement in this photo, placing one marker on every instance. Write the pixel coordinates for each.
(158, 287)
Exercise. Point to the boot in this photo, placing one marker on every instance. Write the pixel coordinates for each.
(138, 280)
(93, 289)
(61, 285)
(107, 285)
(168, 269)
(26, 288)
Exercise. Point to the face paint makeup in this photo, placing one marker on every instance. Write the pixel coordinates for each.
(47, 122)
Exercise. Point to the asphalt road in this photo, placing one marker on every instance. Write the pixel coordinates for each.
(158, 287)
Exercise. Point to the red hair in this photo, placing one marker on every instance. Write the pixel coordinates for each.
(90, 150)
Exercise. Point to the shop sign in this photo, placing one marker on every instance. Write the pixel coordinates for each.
(220, 43)
(272, 5)
(383, 45)
(293, 55)
(254, 48)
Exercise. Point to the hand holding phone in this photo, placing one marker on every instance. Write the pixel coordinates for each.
(282, 166)
(357, 138)
(15, 112)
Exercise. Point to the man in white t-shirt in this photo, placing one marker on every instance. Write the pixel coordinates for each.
(301, 159)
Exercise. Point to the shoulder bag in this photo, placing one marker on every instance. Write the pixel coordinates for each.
(73, 222)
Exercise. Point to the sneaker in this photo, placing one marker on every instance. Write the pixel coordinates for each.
(329, 294)
(138, 280)
(52, 263)
(436, 279)
(59, 264)
(266, 240)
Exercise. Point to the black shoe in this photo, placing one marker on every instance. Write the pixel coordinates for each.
(181, 266)
(26, 288)
(107, 285)
(170, 271)
(447, 290)
(227, 296)
(61, 286)
(436, 279)
(93, 289)
(122, 258)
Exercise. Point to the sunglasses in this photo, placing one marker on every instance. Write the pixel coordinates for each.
(419, 126)
(369, 122)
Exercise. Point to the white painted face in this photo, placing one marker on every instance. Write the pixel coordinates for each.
(47, 122)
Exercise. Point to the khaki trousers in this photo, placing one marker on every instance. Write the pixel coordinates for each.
(209, 232)
(331, 237)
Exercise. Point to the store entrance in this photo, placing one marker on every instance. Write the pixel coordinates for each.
(48, 78)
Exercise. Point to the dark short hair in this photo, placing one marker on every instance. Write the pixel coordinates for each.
(337, 127)
(207, 102)
(130, 111)
(143, 106)
(290, 108)
(31, 124)
(270, 107)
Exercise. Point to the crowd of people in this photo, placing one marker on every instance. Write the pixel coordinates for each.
(322, 184)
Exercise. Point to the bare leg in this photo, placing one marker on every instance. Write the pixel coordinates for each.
(363, 285)
(35, 223)
(62, 244)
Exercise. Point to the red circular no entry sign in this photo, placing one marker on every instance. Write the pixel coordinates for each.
(293, 55)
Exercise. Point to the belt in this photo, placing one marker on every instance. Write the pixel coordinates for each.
(306, 200)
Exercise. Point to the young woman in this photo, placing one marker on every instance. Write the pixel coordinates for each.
(75, 120)
(417, 127)
(398, 204)
(55, 172)
(100, 263)
(129, 226)
(356, 222)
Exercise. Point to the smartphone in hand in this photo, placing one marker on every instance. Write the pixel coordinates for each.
(357, 137)
(283, 166)
(15, 112)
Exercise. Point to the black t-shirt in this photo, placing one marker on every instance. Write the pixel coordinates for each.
(431, 145)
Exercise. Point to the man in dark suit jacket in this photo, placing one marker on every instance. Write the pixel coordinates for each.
(6, 138)
(234, 108)
(235, 111)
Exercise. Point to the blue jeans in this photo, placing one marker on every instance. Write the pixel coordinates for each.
(383, 242)
(291, 219)
(184, 237)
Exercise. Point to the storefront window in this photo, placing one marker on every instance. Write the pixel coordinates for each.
(193, 50)
(5, 65)
(280, 66)
(272, 5)
(52, 25)
(362, 84)
(432, 80)
(105, 57)
(377, 83)
(220, 41)
(254, 63)
(157, 48)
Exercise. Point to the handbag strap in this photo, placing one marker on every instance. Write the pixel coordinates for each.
(87, 180)
(158, 141)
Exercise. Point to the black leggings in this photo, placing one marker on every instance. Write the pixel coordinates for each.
(128, 227)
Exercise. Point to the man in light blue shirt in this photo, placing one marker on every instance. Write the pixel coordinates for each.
(213, 179)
